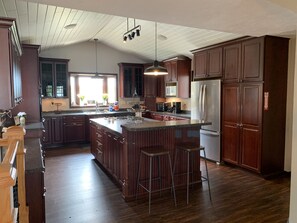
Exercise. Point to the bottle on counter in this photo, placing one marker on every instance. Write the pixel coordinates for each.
(116, 106)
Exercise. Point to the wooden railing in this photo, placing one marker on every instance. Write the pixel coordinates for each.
(13, 142)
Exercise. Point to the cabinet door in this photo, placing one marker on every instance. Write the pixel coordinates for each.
(131, 80)
(47, 79)
(161, 86)
(46, 139)
(61, 79)
(214, 66)
(230, 126)
(251, 148)
(138, 80)
(128, 84)
(167, 77)
(232, 63)
(200, 61)
(93, 140)
(74, 132)
(74, 129)
(252, 59)
(57, 130)
(171, 67)
(251, 120)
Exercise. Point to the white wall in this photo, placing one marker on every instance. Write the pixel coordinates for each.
(290, 98)
(293, 191)
(83, 57)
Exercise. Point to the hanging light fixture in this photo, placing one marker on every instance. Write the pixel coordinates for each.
(96, 43)
(156, 69)
(130, 34)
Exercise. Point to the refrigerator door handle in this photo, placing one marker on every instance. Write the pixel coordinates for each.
(203, 102)
(209, 133)
(200, 102)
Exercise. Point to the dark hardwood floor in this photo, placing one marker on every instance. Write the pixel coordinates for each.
(79, 191)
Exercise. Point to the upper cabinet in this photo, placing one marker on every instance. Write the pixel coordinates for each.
(171, 66)
(31, 84)
(131, 80)
(232, 62)
(10, 78)
(179, 70)
(243, 61)
(207, 63)
(54, 77)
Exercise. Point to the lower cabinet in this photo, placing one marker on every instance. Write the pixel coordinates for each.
(53, 131)
(74, 128)
(107, 148)
(34, 177)
(242, 121)
(35, 191)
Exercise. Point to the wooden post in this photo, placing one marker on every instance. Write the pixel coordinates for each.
(16, 133)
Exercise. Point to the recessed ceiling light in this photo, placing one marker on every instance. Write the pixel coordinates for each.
(70, 26)
(162, 37)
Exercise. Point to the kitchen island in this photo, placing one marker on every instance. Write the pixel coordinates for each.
(116, 145)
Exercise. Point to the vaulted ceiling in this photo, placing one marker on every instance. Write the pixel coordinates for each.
(182, 25)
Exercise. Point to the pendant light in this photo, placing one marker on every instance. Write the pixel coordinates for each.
(156, 69)
(96, 74)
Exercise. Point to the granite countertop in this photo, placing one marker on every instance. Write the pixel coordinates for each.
(88, 113)
(183, 115)
(33, 157)
(144, 124)
(34, 126)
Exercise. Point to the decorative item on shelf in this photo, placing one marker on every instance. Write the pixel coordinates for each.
(60, 91)
(81, 99)
(110, 108)
(156, 69)
(22, 118)
(105, 99)
(49, 91)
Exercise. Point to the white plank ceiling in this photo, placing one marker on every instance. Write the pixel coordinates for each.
(43, 24)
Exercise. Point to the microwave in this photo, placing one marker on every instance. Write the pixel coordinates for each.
(171, 89)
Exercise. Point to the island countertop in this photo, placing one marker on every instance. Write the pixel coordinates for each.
(144, 124)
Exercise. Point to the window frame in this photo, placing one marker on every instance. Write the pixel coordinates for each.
(90, 74)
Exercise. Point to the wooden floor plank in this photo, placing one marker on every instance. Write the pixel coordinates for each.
(79, 191)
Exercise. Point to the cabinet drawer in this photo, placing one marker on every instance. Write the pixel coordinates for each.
(72, 118)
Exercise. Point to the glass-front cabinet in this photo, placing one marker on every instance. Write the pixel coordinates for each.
(131, 80)
(54, 77)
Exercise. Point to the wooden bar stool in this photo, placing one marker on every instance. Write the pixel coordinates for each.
(190, 149)
(152, 152)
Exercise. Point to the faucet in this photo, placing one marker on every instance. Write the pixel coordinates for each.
(97, 106)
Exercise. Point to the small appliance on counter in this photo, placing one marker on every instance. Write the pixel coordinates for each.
(177, 107)
(163, 106)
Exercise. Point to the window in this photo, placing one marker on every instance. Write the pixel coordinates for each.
(87, 90)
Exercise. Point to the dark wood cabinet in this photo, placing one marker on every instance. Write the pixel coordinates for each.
(74, 128)
(254, 104)
(34, 177)
(97, 142)
(232, 63)
(107, 148)
(131, 80)
(252, 59)
(179, 70)
(172, 68)
(54, 77)
(242, 103)
(10, 78)
(53, 132)
(31, 84)
(208, 63)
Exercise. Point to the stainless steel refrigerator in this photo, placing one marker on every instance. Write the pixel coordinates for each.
(206, 105)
